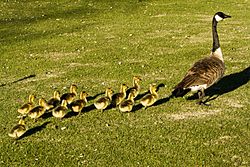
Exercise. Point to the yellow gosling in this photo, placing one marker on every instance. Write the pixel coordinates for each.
(119, 97)
(103, 102)
(127, 105)
(78, 105)
(60, 111)
(69, 97)
(25, 108)
(150, 99)
(136, 86)
(39, 110)
(55, 100)
(18, 130)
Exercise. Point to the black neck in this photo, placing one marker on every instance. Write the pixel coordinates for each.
(216, 43)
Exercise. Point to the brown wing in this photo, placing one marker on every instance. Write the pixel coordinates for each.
(206, 71)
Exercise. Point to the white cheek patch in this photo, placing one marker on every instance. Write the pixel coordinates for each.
(198, 87)
(218, 18)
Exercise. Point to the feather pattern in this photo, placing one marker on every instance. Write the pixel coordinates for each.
(207, 71)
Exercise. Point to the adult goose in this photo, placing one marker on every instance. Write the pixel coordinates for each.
(207, 71)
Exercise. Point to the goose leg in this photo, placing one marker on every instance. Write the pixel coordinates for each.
(201, 94)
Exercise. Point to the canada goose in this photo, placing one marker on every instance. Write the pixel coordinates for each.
(206, 71)
(25, 108)
(151, 98)
(78, 105)
(60, 111)
(136, 86)
(55, 100)
(69, 97)
(18, 130)
(119, 97)
(39, 110)
(127, 105)
(103, 102)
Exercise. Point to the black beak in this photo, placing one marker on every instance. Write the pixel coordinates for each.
(227, 16)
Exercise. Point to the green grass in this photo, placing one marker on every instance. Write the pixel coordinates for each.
(99, 44)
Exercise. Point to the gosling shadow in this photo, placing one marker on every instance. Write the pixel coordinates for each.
(88, 108)
(139, 96)
(160, 86)
(89, 98)
(158, 102)
(137, 107)
(47, 115)
(34, 130)
(70, 114)
(162, 101)
(227, 84)
(147, 92)
(84, 110)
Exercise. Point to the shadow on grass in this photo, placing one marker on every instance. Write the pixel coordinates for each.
(158, 102)
(162, 101)
(19, 80)
(84, 110)
(47, 115)
(227, 84)
(34, 130)
(89, 98)
(147, 92)
(137, 107)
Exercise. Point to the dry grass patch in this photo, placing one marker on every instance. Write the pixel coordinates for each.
(193, 115)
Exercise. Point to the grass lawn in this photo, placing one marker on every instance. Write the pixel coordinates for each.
(100, 44)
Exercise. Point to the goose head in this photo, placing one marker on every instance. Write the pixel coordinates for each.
(219, 16)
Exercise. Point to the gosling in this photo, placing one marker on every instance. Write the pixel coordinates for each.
(78, 105)
(39, 110)
(103, 102)
(60, 111)
(18, 130)
(150, 99)
(136, 85)
(119, 97)
(127, 105)
(69, 97)
(55, 100)
(25, 108)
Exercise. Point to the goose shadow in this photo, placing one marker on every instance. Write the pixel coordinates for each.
(227, 84)
(34, 130)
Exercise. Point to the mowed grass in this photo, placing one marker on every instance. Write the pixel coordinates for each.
(100, 44)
